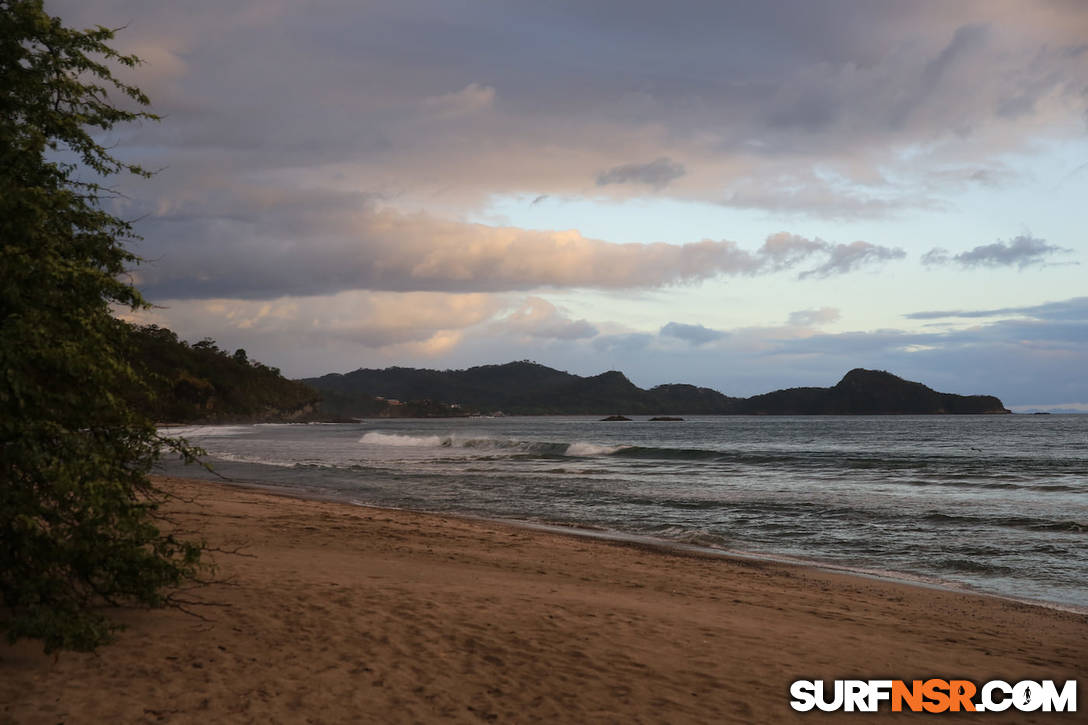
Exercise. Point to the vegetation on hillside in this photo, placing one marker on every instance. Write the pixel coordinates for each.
(523, 388)
(869, 392)
(199, 382)
(528, 388)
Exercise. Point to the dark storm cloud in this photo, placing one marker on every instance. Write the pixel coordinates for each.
(535, 98)
(1021, 252)
(657, 173)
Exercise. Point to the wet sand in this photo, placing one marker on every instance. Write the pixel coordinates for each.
(337, 613)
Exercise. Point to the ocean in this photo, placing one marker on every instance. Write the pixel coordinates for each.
(995, 504)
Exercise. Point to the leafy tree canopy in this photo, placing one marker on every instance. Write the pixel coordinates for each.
(78, 521)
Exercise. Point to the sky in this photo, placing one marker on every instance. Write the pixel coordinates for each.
(741, 195)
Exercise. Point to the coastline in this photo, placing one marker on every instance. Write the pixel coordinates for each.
(668, 546)
(338, 612)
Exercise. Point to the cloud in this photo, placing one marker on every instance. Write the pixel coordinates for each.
(965, 40)
(694, 334)
(791, 106)
(1043, 353)
(936, 257)
(260, 242)
(301, 147)
(1042, 357)
(1075, 309)
(1021, 252)
(539, 318)
(657, 173)
(630, 343)
(814, 317)
(848, 257)
(473, 98)
(369, 320)
(1042, 336)
(784, 251)
(794, 192)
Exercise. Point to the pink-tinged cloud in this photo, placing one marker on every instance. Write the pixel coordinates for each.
(266, 243)
(538, 318)
(366, 319)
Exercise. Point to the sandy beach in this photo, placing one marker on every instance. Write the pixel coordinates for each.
(337, 613)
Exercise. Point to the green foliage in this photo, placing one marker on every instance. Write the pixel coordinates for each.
(78, 521)
(202, 383)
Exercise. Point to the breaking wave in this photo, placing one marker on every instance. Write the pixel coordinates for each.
(402, 441)
(577, 449)
(205, 431)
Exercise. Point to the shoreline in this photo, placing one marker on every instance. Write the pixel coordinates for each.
(666, 546)
(334, 612)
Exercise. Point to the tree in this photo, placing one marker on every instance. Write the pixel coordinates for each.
(79, 517)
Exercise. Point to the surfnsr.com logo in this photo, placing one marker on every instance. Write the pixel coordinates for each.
(933, 695)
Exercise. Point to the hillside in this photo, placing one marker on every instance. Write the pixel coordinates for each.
(868, 392)
(529, 388)
(523, 388)
(199, 382)
(202, 383)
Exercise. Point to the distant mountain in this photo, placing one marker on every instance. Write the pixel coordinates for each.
(524, 388)
(528, 388)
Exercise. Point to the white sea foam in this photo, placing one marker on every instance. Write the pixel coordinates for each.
(238, 458)
(580, 449)
(205, 431)
(583, 449)
(375, 438)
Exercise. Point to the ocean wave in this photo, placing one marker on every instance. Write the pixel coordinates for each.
(972, 566)
(578, 449)
(260, 460)
(914, 471)
(397, 440)
(587, 450)
(205, 431)
(1015, 522)
(698, 536)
